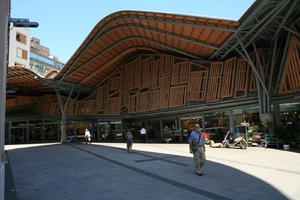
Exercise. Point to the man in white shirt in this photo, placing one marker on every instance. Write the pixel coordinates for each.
(87, 135)
(143, 132)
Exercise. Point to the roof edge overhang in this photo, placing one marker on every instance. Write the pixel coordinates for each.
(113, 17)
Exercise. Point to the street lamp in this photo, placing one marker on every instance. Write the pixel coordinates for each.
(20, 22)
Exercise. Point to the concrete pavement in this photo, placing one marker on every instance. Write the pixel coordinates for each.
(153, 171)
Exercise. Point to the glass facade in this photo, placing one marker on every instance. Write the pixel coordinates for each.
(31, 131)
(290, 121)
(43, 65)
(187, 126)
(56, 64)
(35, 131)
(250, 115)
(216, 124)
(51, 131)
(18, 133)
(110, 130)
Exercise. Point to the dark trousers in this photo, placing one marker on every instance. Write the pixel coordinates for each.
(87, 139)
(129, 144)
(143, 138)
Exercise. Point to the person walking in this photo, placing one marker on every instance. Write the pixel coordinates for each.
(143, 133)
(167, 134)
(87, 135)
(196, 144)
(129, 141)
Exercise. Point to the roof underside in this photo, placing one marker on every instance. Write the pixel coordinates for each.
(125, 33)
(22, 78)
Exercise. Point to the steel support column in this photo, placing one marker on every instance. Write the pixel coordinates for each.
(283, 58)
(265, 98)
(259, 96)
(63, 136)
(273, 63)
(63, 109)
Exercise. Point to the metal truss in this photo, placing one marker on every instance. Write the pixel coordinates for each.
(66, 86)
(268, 19)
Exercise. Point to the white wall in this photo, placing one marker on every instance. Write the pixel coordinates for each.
(14, 45)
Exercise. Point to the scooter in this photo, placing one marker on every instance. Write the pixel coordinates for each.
(229, 142)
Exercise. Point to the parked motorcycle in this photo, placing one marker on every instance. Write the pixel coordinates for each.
(230, 142)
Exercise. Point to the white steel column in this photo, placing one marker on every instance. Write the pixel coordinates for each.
(4, 17)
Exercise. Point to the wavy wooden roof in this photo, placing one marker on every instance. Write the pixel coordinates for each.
(124, 33)
(20, 77)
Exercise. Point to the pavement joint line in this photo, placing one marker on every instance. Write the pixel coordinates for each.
(162, 159)
(154, 159)
(205, 193)
(258, 166)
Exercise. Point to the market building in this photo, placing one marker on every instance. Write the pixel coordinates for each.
(153, 69)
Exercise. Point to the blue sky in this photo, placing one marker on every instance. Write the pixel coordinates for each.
(64, 24)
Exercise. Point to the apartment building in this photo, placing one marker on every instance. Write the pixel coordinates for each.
(19, 47)
(27, 52)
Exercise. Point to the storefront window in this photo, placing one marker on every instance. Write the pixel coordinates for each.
(187, 126)
(18, 132)
(35, 128)
(217, 124)
(80, 129)
(152, 126)
(249, 115)
(50, 130)
(116, 130)
(172, 127)
(290, 118)
(104, 130)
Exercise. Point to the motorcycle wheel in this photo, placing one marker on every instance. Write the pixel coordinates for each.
(244, 144)
(224, 145)
(240, 145)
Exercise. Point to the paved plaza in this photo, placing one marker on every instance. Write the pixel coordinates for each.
(153, 171)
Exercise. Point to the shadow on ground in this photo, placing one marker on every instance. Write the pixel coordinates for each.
(77, 171)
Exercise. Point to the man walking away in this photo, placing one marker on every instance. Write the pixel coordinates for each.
(196, 144)
(143, 135)
(87, 135)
